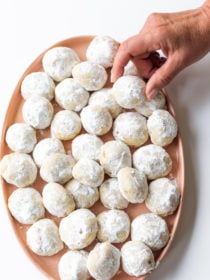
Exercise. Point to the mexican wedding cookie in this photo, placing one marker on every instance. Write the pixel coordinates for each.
(163, 197)
(73, 265)
(114, 226)
(65, 125)
(21, 137)
(96, 120)
(114, 155)
(150, 229)
(137, 258)
(43, 238)
(18, 169)
(128, 91)
(78, 229)
(59, 61)
(153, 160)
(90, 75)
(26, 206)
(162, 127)
(131, 128)
(103, 261)
(102, 50)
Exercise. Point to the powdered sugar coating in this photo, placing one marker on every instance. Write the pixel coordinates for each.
(128, 91)
(38, 84)
(43, 238)
(65, 125)
(21, 137)
(114, 155)
(137, 258)
(38, 112)
(73, 265)
(110, 195)
(78, 229)
(18, 169)
(84, 195)
(162, 128)
(132, 184)
(163, 197)
(131, 128)
(96, 120)
(70, 95)
(150, 229)
(130, 69)
(26, 206)
(153, 160)
(90, 75)
(102, 50)
(57, 200)
(114, 226)
(59, 61)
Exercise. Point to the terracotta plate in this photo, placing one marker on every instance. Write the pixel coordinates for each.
(48, 265)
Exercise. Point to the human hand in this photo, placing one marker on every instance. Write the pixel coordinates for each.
(182, 37)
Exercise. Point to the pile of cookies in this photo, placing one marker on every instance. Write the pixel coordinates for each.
(117, 158)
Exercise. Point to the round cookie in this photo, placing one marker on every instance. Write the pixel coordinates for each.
(162, 128)
(133, 184)
(153, 160)
(84, 195)
(45, 148)
(57, 168)
(21, 137)
(73, 265)
(105, 99)
(78, 229)
(59, 61)
(70, 95)
(57, 200)
(163, 197)
(114, 155)
(130, 69)
(110, 195)
(65, 125)
(38, 112)
(26, 206)
(150, 229)
(18, 169)
(90, 75)
(86, 146)
(43, 238)
(128, 91)
(102, 50)
(96, 120)
(103, 261)
(137, 258)
(131, 128)
(38, 84)
(88, 172)
(114, 226)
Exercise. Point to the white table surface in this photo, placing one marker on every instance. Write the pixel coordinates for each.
(29, 27)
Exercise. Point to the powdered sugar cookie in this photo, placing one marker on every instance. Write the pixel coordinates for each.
(43, 238)
(21, 137)
(102, 50)
(38, 84)
(70, 95)
(130, 69)
(26, 206)
(90, 75)
(131, 128)
(59, 61)
(78, 229)
(162, 128)
(153, 160)
(65, 125)
(96, 120)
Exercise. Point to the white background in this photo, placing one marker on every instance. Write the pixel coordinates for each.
(29, 27)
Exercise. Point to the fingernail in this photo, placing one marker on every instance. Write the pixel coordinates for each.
(152, 93)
